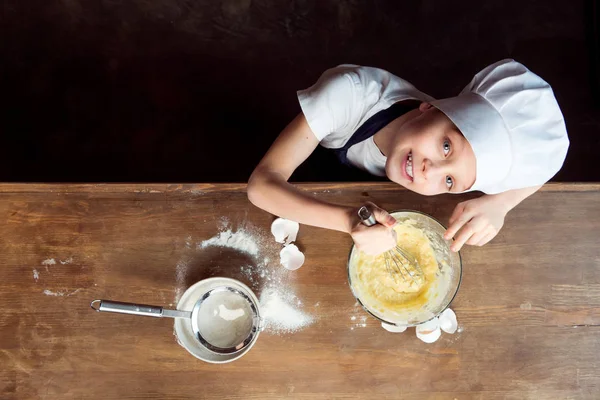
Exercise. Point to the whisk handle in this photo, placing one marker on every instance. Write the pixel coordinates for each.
(366, 216)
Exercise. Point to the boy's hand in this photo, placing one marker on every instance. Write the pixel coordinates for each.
(476, 222)
(374, 239)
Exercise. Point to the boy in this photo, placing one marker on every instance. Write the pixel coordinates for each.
(504, 135)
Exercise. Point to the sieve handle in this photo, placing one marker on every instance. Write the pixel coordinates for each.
(127, 308)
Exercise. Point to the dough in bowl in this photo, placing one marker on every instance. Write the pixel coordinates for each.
(412, 302)
(390, 291)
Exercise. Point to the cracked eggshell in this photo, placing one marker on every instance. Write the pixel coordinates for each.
(291, 258)
(448, 321)
(283, 228)
(429, 331)
(430, 337)
(393, 328)
(429, 326)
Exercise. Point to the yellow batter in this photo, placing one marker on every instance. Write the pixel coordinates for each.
(375, 281)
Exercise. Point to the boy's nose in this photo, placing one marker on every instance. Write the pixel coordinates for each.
(430, 169)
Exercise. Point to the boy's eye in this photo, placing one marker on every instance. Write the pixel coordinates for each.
(449, 182)
(446, 147)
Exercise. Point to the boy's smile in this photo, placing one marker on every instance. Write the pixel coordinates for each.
(407, 167)
(426, 153)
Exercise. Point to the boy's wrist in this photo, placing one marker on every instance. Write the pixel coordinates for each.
(503, 202)
(507, 200)
(350, 219)
(512, 198)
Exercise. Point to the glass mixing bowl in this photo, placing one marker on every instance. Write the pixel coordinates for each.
(440, 293)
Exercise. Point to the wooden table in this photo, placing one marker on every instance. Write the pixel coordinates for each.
(529, 304)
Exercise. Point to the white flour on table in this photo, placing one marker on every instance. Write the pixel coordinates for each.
(280, 313)
(280, 307)
(359, 319)
(181, 271)
(240, 240)
(60, 293)
(47, 262)
(358, 322)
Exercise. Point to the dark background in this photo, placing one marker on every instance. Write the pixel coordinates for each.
(196, 90)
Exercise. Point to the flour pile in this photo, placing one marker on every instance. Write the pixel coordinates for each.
(280, 314)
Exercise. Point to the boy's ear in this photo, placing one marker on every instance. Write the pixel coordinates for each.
(425, 106)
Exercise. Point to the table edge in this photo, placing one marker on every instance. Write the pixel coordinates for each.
(201, 188)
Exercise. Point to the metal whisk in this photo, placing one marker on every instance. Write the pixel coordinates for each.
(402, 266)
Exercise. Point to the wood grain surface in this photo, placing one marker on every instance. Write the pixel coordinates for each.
(528, 307)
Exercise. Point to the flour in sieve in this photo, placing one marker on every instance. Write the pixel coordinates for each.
(225, 320)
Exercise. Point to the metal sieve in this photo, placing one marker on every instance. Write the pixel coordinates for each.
(225, 320)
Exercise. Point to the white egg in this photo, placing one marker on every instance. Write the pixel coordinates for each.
(291, 258)
(393, 328)
(283, 228)
(448, 321)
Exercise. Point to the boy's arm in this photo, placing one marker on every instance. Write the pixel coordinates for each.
(268, 188)
(477, 221)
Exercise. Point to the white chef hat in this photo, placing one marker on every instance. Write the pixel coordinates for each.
(511, 118)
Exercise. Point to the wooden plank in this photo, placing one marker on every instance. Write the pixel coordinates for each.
(528, 305)
(201, 188)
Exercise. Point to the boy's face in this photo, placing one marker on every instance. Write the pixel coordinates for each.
(430, 156)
